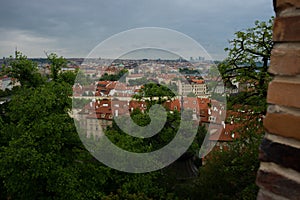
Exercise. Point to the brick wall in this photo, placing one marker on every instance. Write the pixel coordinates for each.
(279, 173)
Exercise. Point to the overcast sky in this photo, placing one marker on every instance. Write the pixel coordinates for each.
(72, 28)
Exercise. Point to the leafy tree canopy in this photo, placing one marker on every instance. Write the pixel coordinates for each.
(248, 60)
(23, 70)
(154, 90)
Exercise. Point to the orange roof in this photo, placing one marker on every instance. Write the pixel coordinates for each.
(103, 82)
(228, 134)
(189, 103)
(201, 81)
(171, 105)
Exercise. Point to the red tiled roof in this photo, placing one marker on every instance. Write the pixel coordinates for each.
(228, 134)
(198, 81)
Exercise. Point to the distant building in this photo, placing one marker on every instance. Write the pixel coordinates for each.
(197, 87)
(133, 77)
(97, 115)
(7, 83)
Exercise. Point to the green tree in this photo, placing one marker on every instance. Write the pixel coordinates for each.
(68, 77)
(56, 64)
(114, 77)
(248, 60)
(153, 91)
(23, 70)
(41, 156)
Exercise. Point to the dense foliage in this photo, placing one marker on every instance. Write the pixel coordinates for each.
(41, 155)
(155, 93)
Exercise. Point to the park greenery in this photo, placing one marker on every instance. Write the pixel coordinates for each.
(114, 77)
(155, 93)
(42, 156)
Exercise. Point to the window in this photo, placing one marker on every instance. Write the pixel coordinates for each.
(212, 119)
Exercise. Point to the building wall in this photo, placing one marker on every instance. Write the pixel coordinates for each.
(279, 173)
(197, 89)
(5, 83)
(95, 127)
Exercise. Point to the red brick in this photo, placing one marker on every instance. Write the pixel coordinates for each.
(281, 154)
(285, 59)
(286, 29)
(278, 184)
(286, 93)
(283, 124)
(281, 5)
(263, 195)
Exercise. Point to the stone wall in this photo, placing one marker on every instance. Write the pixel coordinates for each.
(279, 173)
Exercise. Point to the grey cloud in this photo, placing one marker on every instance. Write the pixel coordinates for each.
(79, 25)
